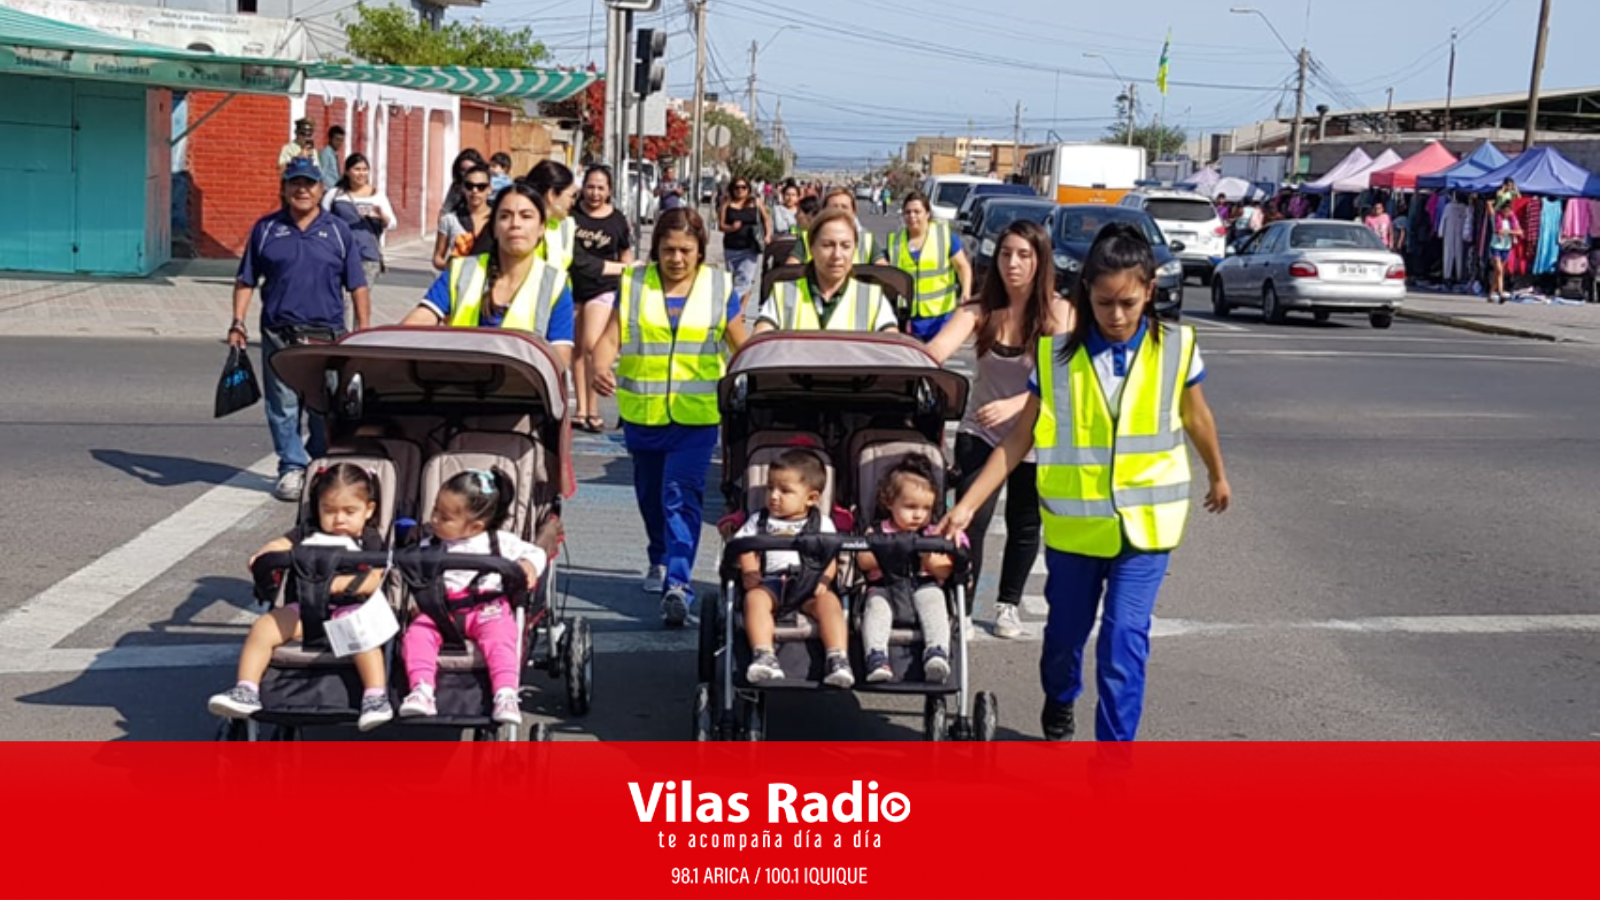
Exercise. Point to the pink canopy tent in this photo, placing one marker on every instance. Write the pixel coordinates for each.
(1403, 177)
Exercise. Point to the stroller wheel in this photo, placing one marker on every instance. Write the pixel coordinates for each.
(710, 632)
(702, 712)
(934, 721)
(985, 717)
(579, 664)
(236, 730)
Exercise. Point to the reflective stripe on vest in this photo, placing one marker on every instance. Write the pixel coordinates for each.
(560, 240)
(857, 309)
(666, 376)
(529, 310)
(1103, 476)
(934, 272)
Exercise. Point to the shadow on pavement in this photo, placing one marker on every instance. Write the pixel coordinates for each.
(170, 471)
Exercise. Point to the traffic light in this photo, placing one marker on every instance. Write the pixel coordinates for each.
(649, 72)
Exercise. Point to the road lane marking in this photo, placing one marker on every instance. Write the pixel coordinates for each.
(1377, 354)
(1358, 335)
(55, 613)
(1218, 324)
(72, 661)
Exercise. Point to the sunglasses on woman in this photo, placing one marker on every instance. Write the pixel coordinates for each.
(476, 185)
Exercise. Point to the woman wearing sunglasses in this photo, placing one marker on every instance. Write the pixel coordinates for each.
(745, 230)
(461, 229)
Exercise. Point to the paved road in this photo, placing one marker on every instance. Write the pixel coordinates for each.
(1411, 556)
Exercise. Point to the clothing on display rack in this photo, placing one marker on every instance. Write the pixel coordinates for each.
(1548, 248)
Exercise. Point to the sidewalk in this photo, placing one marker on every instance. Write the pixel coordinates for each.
(186, 299)
(1539, 321)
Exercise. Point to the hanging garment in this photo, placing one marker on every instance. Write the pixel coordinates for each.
(1575, 221)
(1593, 206)
(1456, 222)
(1547, 247)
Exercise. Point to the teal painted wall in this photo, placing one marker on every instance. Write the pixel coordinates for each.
(77, 169)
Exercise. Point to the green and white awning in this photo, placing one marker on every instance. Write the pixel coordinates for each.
(34, 45)
(547, 85)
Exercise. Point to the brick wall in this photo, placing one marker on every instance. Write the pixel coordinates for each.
(233, 168)
(405, 169)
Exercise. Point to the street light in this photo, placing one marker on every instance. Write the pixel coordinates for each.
(1132, 96)
(755, 49)
(1302, 59)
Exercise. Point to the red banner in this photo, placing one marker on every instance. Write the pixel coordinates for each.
(392, 820)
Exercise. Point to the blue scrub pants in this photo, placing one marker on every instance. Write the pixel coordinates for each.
(1074, 588)
(669, 481)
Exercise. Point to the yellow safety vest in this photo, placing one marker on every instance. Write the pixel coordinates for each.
(560, 242)
(529, 310)
(934, 271)
(664, 376)
(863, 247)
(859, 307)
(1107, 474)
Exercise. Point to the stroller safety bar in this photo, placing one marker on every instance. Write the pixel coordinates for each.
(829, 545)
(417, 566)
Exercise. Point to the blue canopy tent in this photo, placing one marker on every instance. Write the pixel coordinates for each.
(1481, 161)
(1542, 171)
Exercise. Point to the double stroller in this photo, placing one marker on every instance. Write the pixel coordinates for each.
(862, 403)
(1575, 271)
(415, 407)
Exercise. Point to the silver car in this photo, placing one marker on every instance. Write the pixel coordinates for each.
(1314, 266)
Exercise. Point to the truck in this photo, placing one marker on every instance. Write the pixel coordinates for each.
(1084, 173)
(1256, 168)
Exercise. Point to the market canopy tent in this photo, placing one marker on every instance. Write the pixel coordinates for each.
(1403, 176)
(1234, 189)
(34, 45)
(1203, 182)
(1356, 182)
(1486, 158)
(1355, 161)
(1542, 171)
(548, 85)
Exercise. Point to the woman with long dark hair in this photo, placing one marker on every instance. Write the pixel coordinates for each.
(559, 189)
(602, 233)
(1015, 308)
(461, 229)
(465, 160)
(1108, 411)
(506, 285)
(675, 323)
(359, 204)
(745, 230)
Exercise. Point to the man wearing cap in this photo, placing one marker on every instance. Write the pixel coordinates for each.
(304, 143)
(304, 260)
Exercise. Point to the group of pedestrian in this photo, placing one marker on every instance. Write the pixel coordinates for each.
(1080, 409)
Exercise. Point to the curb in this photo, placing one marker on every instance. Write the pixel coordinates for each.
(1481, 327)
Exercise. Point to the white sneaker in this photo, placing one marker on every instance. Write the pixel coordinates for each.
(1008, 624)
(419, 703)
(507, 708)
(655, 580)
(289, 485)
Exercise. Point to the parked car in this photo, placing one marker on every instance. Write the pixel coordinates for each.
(1074, 230)
(946, 192)
(993, 215)
(708, 189)
(992, 189)
(1314, 266)
(1190, 219)
(624, 198)
(863, 192)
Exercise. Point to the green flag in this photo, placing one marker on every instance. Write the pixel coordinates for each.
(1166, 65)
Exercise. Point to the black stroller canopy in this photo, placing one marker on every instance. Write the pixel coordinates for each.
(854, 368)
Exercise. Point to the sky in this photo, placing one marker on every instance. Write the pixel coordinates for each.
(857, 79)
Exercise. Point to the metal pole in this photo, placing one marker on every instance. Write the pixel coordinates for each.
(1133, 105)
(754, 118)
(1016, 139)
(625, 90)
(699, 136)
(608, 137)
(1450, 84)
(638, 180)
(1388, 119)
(1538, 72)
(1299, 111)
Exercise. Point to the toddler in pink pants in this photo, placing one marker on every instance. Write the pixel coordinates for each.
(467, 516)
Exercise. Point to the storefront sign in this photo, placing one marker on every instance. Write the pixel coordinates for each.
(134, 69)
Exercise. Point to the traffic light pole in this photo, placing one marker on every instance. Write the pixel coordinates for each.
(624, 95)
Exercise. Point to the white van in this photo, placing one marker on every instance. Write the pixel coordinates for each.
(1189, 219)
(946, 192)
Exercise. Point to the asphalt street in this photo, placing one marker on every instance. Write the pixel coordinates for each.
(1410, 555)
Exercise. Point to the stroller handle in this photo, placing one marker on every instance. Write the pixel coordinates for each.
(829, 545)
(417, 565)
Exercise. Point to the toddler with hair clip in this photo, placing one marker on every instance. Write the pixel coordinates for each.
(468, 515)
(907, 498)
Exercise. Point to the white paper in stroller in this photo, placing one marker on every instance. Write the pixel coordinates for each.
(368, 628)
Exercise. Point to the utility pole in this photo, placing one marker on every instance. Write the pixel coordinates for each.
(1133, 106)
(1450, 84)
(613, 87)
(624, 95)
(755, 122)
(1299, 111)
(697, 141)
(1538, 72)
(1388, 119)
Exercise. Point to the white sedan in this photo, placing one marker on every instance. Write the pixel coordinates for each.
(1311, 265)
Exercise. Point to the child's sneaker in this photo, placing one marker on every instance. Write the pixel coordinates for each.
(375, 711)
(240, 702)
(419, 702)
(935, 665)
(878, 670)
(764, 667)
(839, 674)
(507, 708)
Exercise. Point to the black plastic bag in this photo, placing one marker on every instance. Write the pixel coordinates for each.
(237, 388)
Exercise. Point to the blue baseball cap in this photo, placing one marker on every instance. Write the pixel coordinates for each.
(301, 167)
